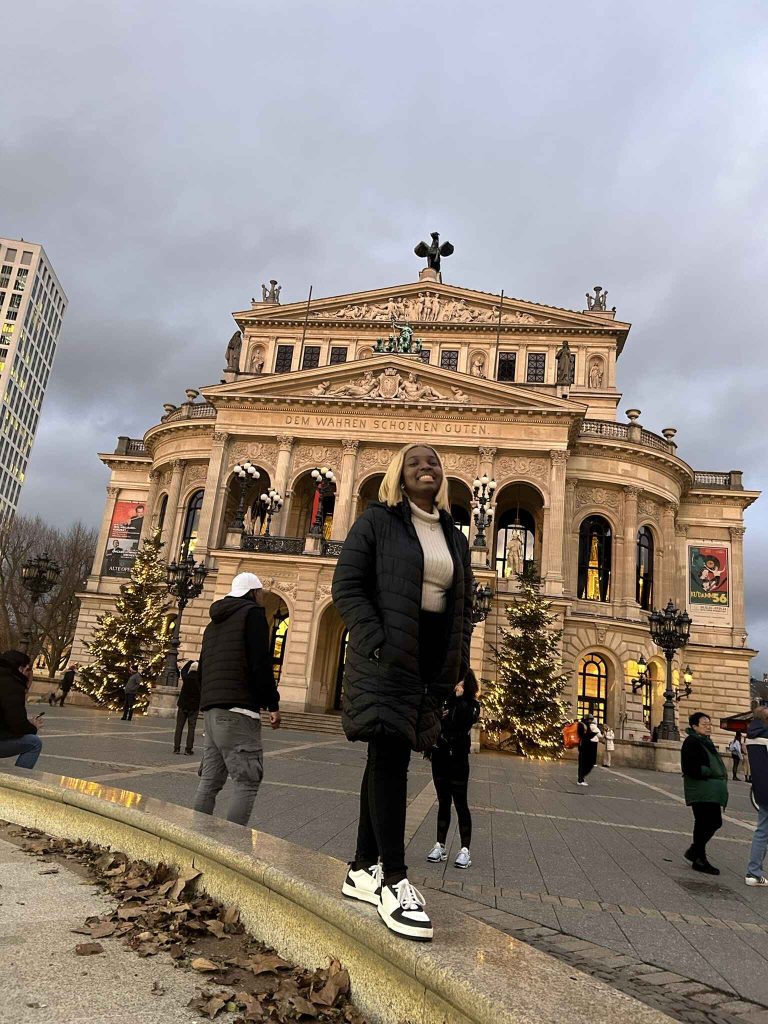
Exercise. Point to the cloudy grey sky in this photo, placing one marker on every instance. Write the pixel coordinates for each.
(172, 156)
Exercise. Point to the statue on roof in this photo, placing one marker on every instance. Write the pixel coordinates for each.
(599, 300)
(565, 361)
(232, 354)
(403, 343)
(271, 294)
(433, 251)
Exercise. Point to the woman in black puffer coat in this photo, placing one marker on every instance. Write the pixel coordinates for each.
(403, 586)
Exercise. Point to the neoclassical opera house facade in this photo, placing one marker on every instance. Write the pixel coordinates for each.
(612, 516)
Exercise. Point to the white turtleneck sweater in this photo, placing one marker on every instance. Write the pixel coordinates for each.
(438, 564)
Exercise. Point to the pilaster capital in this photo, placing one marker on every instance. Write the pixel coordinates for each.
(632, 491)
(486, 453)
(737, 532)
(220, 437)
(178, 465)
(349, 447)
(113, 492)
(284, 442)
(681, 530)
(154, 475)
(571, 484)
(559, 456)
(670, 508)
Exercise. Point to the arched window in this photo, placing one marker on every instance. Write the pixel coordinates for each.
(461, 519)
(594, 559)
(279, 640)
(515, 540)
(593, 687)
(191, 520)
(161, 513)
(644, 568)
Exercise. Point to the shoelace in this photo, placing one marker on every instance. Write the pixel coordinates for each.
(376, 872)
(408, 897)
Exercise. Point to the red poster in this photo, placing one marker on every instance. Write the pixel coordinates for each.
(123, 541)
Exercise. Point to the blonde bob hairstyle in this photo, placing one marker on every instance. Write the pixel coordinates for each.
(391, 492)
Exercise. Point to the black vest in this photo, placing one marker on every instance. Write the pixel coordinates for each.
(223, 658)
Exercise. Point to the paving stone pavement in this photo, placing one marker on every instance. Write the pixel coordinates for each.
(594, 876)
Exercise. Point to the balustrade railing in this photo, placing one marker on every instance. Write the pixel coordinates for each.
(621, 432)
(722, 481)
(272, 545)
(332, 548)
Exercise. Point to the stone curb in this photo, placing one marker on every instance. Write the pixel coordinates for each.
(290, 897)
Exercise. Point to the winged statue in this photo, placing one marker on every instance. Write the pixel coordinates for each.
(433, 251)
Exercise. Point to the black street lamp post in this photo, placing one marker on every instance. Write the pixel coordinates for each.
(482, 595)
(670, 630)
(482, 489)
(185, 581)
(272, 502)
(244, 472)
(38, 576)
(325, 480)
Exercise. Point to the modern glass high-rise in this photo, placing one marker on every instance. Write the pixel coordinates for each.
(32, 306)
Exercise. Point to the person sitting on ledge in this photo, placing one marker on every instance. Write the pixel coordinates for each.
(18, 735)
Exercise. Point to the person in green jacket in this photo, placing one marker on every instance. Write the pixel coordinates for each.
(705, 784)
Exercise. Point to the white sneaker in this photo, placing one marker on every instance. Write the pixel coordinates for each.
(401, 908)
(437, 853)
(753, 880)
(463, 860)
(582, 783)
(363, 885)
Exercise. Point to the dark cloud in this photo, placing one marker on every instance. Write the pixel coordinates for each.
(172, 157)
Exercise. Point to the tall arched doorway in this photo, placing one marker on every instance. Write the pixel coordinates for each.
(251, 502)
(304, 508)
(518, 527)
(324, 692)
(368, 492)
(460, 498)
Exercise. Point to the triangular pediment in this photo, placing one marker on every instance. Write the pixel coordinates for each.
(388, 379)
(425, 302)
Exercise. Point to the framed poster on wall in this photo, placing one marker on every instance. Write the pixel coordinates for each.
(709, 583)
(123, 541)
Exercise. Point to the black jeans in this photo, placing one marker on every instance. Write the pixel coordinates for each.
(128, 701)
(587, 758)
(707, 819)
(736, 762)
(384, 789)
(450, 774)
(190, 717)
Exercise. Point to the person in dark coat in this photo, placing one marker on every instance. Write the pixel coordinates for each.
(18, 735)
(67, 682)
(589, 738)
(188, 707)
(757, 747)
(403, 586)
(705, 784)
(236, 685)
(450, 769)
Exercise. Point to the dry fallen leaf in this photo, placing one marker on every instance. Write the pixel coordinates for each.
(231, 915)
(216, 927)
(49, 871)
(103, 929)
(185, 877)
(88, 948)
(201, 964)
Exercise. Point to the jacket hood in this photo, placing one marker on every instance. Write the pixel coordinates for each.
(12, 665)
(227, 606)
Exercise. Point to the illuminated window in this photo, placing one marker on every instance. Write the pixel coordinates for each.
(594, 559)
(593, 687)
(191, 520)
(644, 568)
(279, 641)
(515, 539)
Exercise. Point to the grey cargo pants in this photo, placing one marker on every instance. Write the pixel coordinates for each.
(232, 748)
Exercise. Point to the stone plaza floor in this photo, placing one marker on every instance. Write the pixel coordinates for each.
(595, 876)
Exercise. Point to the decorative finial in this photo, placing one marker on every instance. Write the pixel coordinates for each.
(598, 301)
(271, 294)
(433, 251)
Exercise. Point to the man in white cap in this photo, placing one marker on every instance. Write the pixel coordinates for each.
(236, 683)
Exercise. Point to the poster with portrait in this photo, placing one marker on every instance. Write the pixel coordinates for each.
(709, 584)
(123, 541)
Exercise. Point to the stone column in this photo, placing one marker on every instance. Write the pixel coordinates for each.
(284, 450)
(737, 582)
(149, 506)
(681, 565)
(569, 584)
(106, 521)
(484, 468)
(207, 530)
(170, 529)
(554, 523)
(668, 566)
(342, 507)
(629, 567)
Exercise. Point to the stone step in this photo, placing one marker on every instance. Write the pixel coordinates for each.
(309, 722)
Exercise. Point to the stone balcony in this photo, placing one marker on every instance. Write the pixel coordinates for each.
(287, 545)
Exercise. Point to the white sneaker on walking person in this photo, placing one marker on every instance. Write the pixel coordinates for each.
(437, 853)
(755, 880)
(364, 884)
(463, 859)
(401, 908)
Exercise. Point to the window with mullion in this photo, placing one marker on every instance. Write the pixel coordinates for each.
(284, 358)
(506, 368)
(449, 360)
(311, 357)
(537, 368)
(338, 355)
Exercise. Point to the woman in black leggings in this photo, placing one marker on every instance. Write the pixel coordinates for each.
(403, 586)
(450, 769)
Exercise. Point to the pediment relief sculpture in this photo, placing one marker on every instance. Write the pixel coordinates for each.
(426, 307)
(390, 386)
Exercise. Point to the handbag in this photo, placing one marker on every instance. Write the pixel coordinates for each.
(571, 735)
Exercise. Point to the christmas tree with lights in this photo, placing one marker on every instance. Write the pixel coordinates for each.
(524, 710)
(134, 634)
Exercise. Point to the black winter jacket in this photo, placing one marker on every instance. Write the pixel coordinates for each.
(460, 714)
(757, 749)
(189, 695)
(235, 665)
(377, 591)
(13, 695)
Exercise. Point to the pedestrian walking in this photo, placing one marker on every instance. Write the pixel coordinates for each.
(757, 745)
(735, 750)
(403, 586)
(705, 784)
(608, 736)
(589, 737)
(745, 759)
(236, 685)
(450, 769)
(130, 692)
(18, 734)
(187, 707)
(67, 682)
